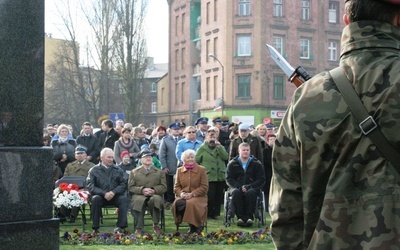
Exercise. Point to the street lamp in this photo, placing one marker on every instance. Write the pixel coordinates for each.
(222, 80)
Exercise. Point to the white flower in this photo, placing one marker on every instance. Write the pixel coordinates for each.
(67, 199)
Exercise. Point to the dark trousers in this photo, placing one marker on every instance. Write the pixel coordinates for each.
(169, 196)
(120, 201)
(243, 204)
(215, 197)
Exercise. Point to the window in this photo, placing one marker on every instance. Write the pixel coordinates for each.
(244, 7)
(176, 25)
(305, 9)
(183, 23)
(208, 13)
(183, 58)
(278, 8)
(333, 51)
(244, 45)
(153, 87)
(215, 46)
(153, 107)
(207, 50)
(215, 87)
(279, 87)
(176, 59)
(277, 43)
(304, 48)
(207, 88)
(162, 96)
(333, 12)
(215, 10)
(176, 93)
(244, 86)
(182, 93)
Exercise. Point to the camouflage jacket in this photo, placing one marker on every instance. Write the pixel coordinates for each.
(331, 187)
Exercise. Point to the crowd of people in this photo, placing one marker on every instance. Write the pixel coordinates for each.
(181, 168)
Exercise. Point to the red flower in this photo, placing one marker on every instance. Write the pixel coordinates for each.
(63, 186)
(73, 187)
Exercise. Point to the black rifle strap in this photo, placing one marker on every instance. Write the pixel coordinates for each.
(367, 123)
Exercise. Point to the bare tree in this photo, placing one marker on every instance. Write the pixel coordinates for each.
(71, 93)
(116, 47)
(132, 54)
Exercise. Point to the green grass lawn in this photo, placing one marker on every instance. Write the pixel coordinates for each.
(110, 220)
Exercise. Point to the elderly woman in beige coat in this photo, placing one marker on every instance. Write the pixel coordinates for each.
(191, 187)
(147, 184)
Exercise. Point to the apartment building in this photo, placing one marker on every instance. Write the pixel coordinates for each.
(219, 64)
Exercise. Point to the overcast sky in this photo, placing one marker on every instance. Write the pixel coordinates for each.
(157, 27)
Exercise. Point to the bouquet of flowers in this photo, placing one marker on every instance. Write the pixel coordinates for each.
(69, 196)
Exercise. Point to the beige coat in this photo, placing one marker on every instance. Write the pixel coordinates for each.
(194, 181)
(139, 179)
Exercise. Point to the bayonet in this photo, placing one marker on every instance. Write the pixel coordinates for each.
(296, 76)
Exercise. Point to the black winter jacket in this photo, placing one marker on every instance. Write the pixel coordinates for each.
(101, 180)
(253, 177)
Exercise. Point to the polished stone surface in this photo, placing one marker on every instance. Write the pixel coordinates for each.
(21, 72)
(26, 183)
(25, 167)
(40, 234)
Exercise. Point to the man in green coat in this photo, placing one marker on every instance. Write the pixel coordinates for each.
(212, 155)
(331, 187)
(147, 184)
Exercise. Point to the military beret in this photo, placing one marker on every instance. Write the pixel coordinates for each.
(202, 120)
(80, 149)
(174, 125)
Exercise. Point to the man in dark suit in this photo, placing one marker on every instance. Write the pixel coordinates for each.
(109, 136)
(169, 161)
(91, 143)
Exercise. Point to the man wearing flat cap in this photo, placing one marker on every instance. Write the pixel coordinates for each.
(147, 184)
(80, 167)
(332, 187)
(245, 136)
(202, 127)
(168, 160)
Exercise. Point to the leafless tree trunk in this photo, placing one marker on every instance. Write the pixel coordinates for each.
(131, 55)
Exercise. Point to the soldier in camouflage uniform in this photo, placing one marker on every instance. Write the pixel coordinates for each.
(331, 187)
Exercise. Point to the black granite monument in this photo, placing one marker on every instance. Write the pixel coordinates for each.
(25, 166)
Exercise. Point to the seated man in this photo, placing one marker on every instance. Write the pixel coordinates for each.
(80, 167)
(107, 186)
(244, 176)
(147, 184)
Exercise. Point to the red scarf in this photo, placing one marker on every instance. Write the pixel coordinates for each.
(189, 167)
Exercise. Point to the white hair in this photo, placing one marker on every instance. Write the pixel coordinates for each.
(103, 152)
(187, 153)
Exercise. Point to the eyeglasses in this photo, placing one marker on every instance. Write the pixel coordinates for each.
(191, 132)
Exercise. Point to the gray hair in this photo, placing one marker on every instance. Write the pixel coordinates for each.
(187, 153)
(103, 152)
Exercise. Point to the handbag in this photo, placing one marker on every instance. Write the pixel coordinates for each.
(367, 123)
